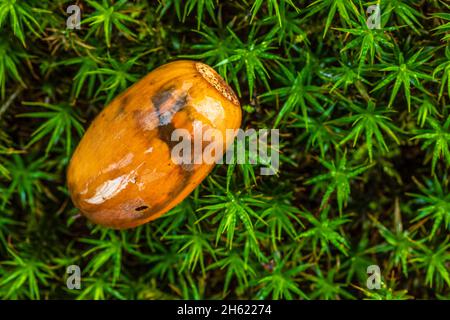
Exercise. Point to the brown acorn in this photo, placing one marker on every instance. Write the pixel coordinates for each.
(122, 173)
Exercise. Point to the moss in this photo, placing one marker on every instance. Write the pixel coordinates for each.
(364, 128)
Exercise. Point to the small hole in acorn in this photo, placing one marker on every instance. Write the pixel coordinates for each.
(141, 208)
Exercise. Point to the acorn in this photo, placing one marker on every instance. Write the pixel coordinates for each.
(123, 173)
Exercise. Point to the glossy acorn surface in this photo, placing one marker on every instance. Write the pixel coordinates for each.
(121, 174)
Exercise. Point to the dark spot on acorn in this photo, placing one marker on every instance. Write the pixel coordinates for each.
(141, 208)
(188, 166)
(185, 180)
(122, 105)
(166, 117)
(161, 98)
(167, 105)
(165, 134)
(166, 127)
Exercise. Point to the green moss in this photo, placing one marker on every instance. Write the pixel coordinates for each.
(364, 139)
